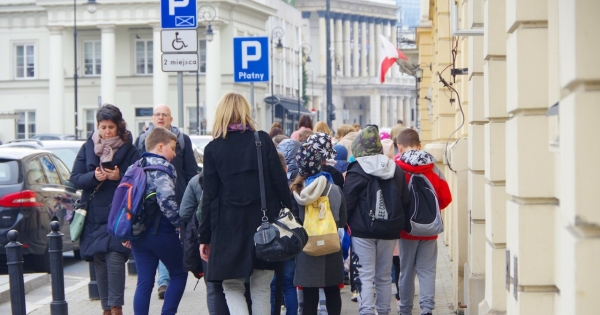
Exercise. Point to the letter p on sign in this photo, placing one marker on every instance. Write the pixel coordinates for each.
(177, 4)
(246, 57)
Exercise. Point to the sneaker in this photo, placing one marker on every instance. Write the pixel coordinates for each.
(161, 292)
(354, 297)
(398, 305)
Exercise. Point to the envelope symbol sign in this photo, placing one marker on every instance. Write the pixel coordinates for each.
(184, 21)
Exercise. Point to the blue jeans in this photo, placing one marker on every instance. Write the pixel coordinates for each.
(288, 289)
(163, 275)
(148, 250)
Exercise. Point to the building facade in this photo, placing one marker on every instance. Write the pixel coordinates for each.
(514, 133)
(358, 95)
(117, 53)
(409, 13)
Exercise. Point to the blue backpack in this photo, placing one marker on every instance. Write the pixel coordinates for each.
(131, 213)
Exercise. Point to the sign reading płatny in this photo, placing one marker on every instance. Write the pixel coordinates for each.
(251, 59)
(179, 62)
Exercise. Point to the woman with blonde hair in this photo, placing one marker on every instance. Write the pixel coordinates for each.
(321, 126)
(231, 207)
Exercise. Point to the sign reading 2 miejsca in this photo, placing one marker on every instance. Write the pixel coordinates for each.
(251, 59)
(179, 62)
(178, 14)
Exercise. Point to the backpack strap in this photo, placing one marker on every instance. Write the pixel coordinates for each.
(161, 168)
(181, 141)
(263, 199)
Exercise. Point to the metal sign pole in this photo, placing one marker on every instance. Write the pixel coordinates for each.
(252, 100)
(180, 97)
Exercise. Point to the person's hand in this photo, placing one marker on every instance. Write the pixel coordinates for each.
(204, 251)
(112, 174)
(100, 176)
(126, 244)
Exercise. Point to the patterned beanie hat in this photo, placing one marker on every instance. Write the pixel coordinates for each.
(321, 142)
(310, 161)
(367, 142)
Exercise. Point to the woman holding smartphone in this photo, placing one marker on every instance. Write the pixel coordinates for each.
(98, 169)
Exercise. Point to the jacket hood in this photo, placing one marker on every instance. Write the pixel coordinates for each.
(377, 165)
(172, 129)
(367, 143)
(416, 161)
(289, 148)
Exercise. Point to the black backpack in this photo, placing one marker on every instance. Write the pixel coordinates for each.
(190, 243)
(382, 197)
(423, 215)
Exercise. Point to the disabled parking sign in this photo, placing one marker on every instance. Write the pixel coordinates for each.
(178, 14)
(251, 59)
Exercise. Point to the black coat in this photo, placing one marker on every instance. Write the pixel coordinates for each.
(231, 202)
(95, 239)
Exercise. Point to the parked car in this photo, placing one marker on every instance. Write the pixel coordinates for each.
(52, 136)
(198, 143)
(34, 191)
(66, 150)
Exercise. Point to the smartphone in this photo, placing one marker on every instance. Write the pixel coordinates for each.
(107, 165)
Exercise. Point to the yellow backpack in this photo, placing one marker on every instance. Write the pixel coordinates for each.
(321, 228)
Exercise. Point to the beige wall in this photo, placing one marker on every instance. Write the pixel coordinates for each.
(529, 186)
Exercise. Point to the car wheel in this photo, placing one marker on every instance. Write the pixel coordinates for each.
(41, 263)
(77, 254)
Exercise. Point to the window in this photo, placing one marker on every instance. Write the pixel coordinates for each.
(192, 121)
(35, 175)
(143, 56)
(92, 60)
(90, 121)
(62, 169)
(25, 61)
(25, 125)
(201, 57)
(50, 171)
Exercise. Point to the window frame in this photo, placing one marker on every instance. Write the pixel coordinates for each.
(26, 134)
(86, 121)
(15, 61)
(94, 58)
(146, 55)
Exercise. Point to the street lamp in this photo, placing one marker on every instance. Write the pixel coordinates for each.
(418, 75)
(205, 13)
(276, 33)
(91, 8)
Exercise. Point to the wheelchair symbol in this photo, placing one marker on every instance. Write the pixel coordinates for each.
(177, 43)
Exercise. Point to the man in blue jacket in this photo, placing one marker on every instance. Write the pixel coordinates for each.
(184, 163)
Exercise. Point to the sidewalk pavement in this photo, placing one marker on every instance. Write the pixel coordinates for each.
(194, 301)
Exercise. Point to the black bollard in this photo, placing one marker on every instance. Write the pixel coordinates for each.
(14, 260)
(93, 292)
(131, 269)
(58, 306)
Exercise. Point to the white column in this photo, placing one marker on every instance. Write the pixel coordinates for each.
(372, 47)
(387, 32)
(393, 111)
(56, 82)
(213, 77)
(339, 47)
(394, 70)
(347, 53)
(384, 112)
(377, 44)
(108, 78)
(400, 108)
(322, 44)
(356, 42)
(160, 79)
(407, 110)
(375, 109)
(363, 47)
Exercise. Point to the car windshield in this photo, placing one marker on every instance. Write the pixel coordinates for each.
(9, 172)
(67, 155)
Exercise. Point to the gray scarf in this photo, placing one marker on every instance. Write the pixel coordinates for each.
(106, 148)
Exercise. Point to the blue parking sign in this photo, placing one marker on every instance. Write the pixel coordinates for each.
(251, 59)
(178, 14)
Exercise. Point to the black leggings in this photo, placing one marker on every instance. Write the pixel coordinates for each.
(396, 263)
(332, 295)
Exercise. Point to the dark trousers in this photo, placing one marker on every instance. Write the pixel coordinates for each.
(290, 297)
(148, 250)
(396, 275)
(110, 276)
(332, 296)
(215, 298)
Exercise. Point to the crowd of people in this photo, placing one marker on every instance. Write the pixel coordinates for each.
(342, 173)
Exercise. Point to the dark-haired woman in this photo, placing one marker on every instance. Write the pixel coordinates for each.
(99, 166)
(305, 122)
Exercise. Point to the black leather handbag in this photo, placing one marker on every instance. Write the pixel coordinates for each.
(285, 237)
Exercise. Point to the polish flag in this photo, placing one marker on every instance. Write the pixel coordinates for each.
(390, 54)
